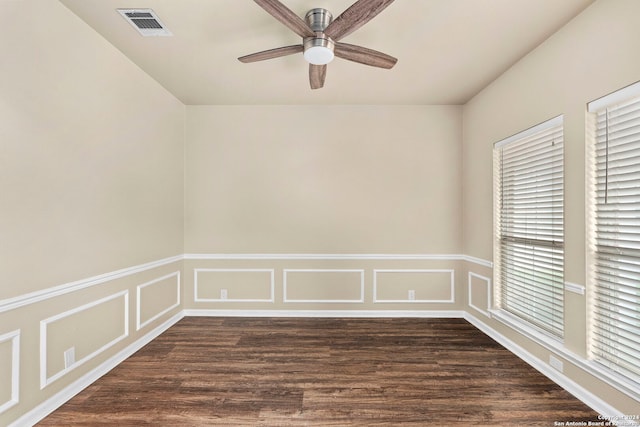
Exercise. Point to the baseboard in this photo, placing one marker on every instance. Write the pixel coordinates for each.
(48, 406)
(327, 313)
(579, 392)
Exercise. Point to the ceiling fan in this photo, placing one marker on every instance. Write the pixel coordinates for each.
(321, 34)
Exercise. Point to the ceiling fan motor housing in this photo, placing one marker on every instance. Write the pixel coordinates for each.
(318, 50)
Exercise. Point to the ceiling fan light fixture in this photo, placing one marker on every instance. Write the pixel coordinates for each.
(318, 50)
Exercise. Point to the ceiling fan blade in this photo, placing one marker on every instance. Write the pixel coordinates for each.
(364, 55)
(285, 15)
(355, 17)
(271, 53)
(317, 74)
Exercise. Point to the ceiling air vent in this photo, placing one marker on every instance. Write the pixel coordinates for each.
(145, 21)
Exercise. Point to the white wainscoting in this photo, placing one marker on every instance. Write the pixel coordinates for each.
(358, 285)
(288, 286)
(471, 299)
(14, 385)
(49, 405)
(45, 379)
(39, 411)
(268, 285)
(139, 300)
(45, 294)
(425, 288)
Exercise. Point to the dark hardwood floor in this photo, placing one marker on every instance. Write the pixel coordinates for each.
(322, 372)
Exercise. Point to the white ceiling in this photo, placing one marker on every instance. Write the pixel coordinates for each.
(447, 50)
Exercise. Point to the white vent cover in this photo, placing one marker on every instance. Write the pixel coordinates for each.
(145, 21)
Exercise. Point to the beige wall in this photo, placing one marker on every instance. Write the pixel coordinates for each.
(323, 179)
(331, 181)
(91, 172)
(593, 55)
(91, 182)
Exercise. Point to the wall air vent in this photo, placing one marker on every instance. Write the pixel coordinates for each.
(145, 21)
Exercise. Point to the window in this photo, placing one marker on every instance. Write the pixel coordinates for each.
(529, 226)
(614, 231)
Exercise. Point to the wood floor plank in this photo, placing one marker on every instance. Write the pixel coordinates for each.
(322, 372)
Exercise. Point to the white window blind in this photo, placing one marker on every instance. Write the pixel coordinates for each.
(615, 235)
(530, 226)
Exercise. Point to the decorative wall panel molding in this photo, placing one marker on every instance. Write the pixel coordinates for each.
(45, 379)
(44, 294)
(323, 286)
(414, 286)
(480, 303)
(232, 282)
(13, 338)
(160, 281)
(37, 413)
